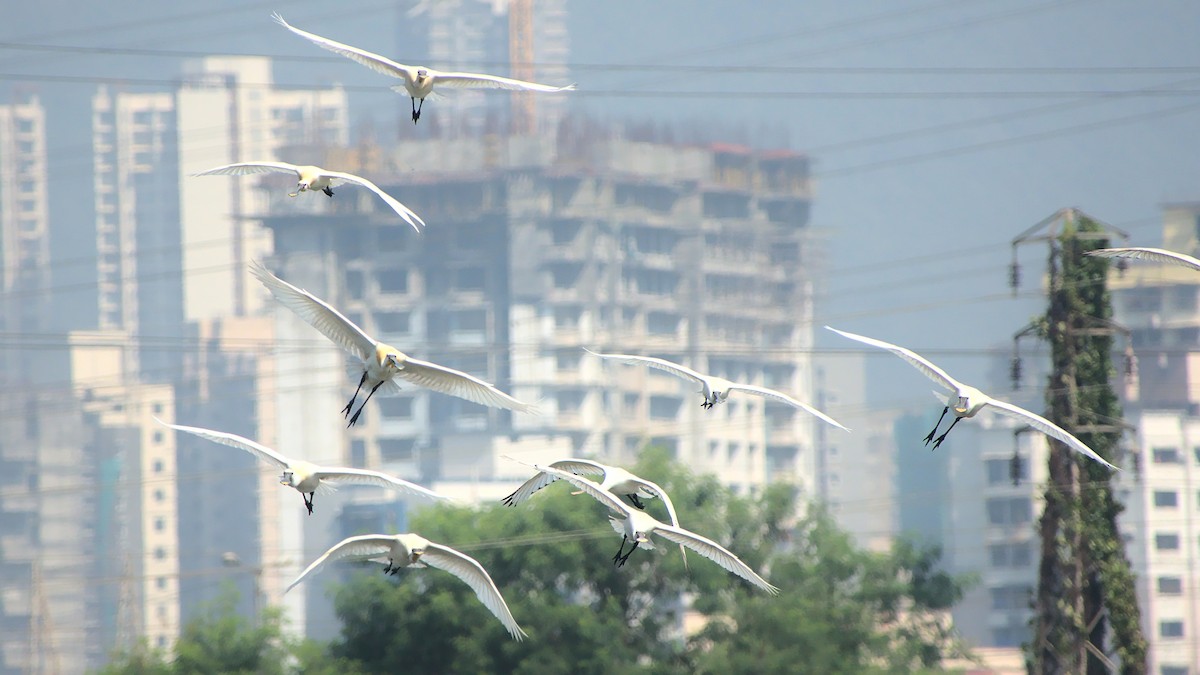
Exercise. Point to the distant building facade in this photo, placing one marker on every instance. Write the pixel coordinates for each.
(535, 251)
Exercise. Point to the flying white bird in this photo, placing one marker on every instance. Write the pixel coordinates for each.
(715, 389)
(381, 363)
(419, 81)
(315, 178)
(615, 480)
(308, 478)
(966, 400)
(1155, 254)
(637, 526)
(411, 550)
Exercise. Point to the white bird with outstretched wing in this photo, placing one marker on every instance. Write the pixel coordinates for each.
(316, 179)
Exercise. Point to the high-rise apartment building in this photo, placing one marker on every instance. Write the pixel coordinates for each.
(24, 234)
(227, 111)
(535, 251)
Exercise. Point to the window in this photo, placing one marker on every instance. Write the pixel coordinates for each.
(1166, 499)
(470, 279)
(1011, 597)
(160, 583)
(630, 402)
(997, 471)
(158, 438)
(662, 323)
(1196, 450)
(1166, 541)
(158, 466)
(469, 320)
(569, 400)
(1009, 511)
(1170, 585)
(1174, 670)
(1170, 629)
(1010, 555)
(393, 281)
(399, 407)
(1165, 456)
(358, 452)
(392, 323)
(158, 495)
(396, 449)
(159, 524)
(664, 407)
(160, 553)
(567, 360)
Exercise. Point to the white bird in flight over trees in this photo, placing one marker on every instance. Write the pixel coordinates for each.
(716, 389)
(419, 81)
(308, 478)
(1155, 254)
(966, 400)
(637, 526)
(615, 480)
(381, 363)
(315, 178)
(411, 550)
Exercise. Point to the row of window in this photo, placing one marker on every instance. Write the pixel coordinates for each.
(1171, 455)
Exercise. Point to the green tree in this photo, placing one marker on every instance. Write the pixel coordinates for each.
(841, 609)
(1079, 522)
(221, 641)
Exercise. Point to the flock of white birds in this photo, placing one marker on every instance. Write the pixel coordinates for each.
(382, 366)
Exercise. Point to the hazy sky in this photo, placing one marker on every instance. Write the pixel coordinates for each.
(929, 155)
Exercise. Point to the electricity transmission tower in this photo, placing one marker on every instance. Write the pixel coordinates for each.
(1085, 612)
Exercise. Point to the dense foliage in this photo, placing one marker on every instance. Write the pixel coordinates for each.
(841, 609)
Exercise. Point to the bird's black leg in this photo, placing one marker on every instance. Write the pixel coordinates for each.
(308, 501)
(419, 106)
(637, 501)
(617, 557)
(939, 423)
(327, 190)
(364, 403)
(388, 568)
(350, 405)
(628, 553)
(943, 436)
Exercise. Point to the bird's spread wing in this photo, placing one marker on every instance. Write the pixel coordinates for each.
(784, 398)
(472, 573)
(1155, 254)
(367, 477)
(919, 362)
(603, 496)
(317, 313)
(666, 500)
(714, 552)
(375, 62)
(542, 479)
(235, 441)
(480, 81)
(1047, 427)
(362, 547)
(457, 383)
(403, 211)
(247, 168)
(654, 362)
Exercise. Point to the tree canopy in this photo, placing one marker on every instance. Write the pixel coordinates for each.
(841, 609)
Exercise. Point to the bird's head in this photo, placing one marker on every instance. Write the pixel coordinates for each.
(302, 186)
(963, 405)
(288, 478)
(422, 74)
(388, 356)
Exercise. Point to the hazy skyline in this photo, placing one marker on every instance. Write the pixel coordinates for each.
(924, 173)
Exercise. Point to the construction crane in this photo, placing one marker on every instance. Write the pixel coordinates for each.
(522, 110)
